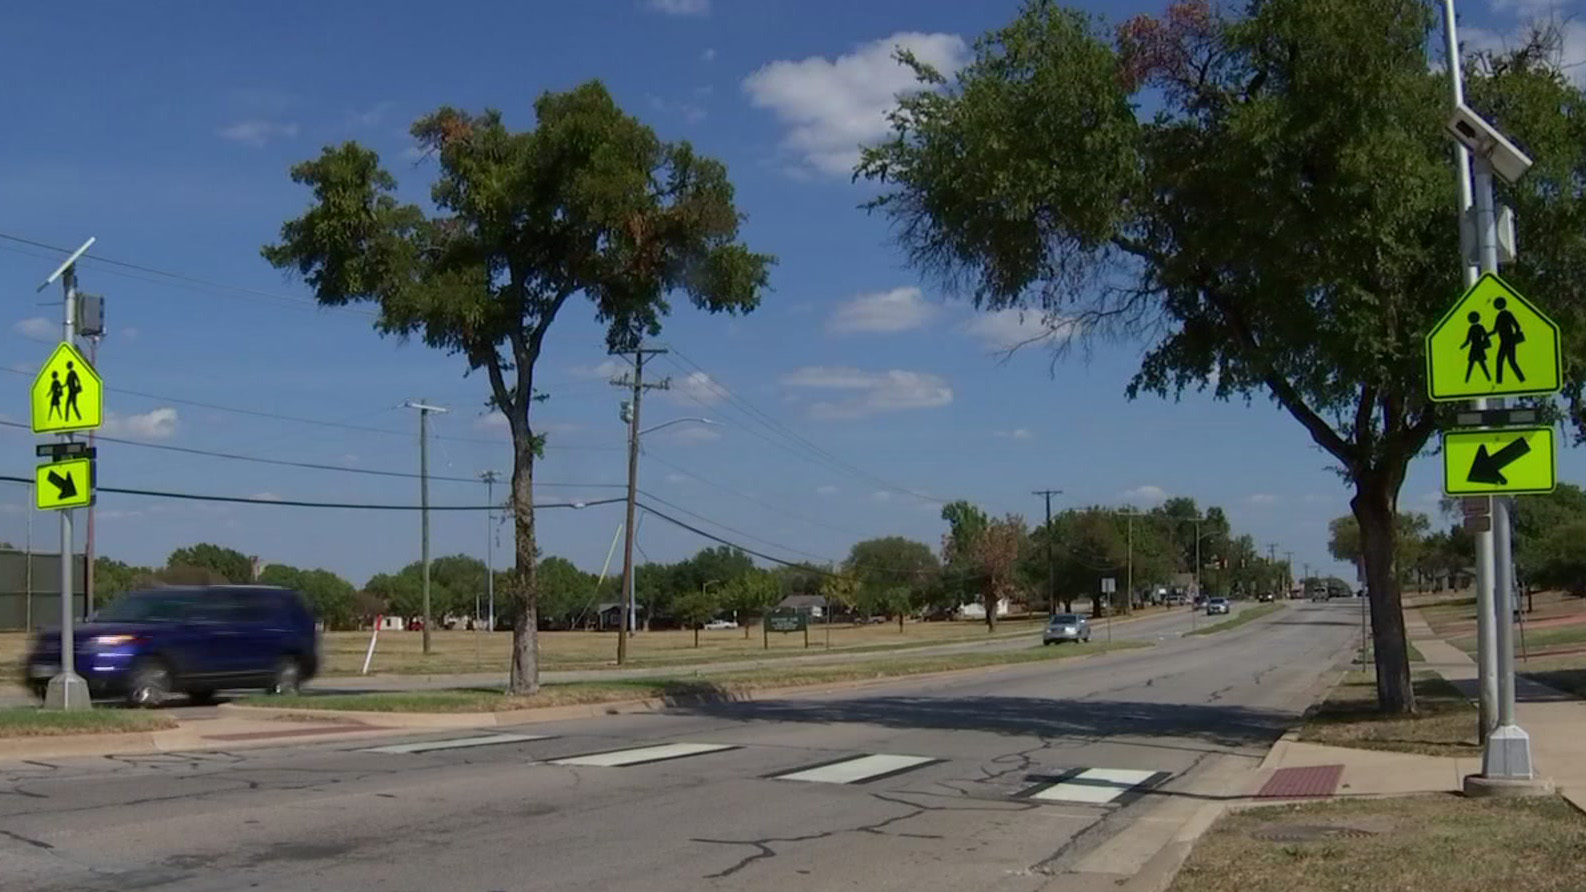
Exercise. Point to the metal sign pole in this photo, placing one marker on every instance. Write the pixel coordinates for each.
(67, 690)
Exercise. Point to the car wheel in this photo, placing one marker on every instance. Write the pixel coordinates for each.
(40, 689)
(287, 677)
(204, 697)
(151, 684)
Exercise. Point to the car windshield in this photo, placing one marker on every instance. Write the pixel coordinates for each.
(1219, 600)
(147, 607)
(1065, 619)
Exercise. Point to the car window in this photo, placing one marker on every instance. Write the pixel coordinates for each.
(1064, 619)
(148, 607)
(256, 607)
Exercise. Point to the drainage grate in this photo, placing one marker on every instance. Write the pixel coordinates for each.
(1307, 832)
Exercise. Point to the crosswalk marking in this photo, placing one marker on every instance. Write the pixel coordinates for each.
(859, 769)
(454, 743)
(1097, 786)
(643, 754)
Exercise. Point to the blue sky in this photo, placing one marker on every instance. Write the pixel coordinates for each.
(166, 129)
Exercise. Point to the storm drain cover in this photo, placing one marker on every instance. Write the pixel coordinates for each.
(1307, 832)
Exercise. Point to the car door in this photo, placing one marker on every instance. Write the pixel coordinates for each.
(261, 626)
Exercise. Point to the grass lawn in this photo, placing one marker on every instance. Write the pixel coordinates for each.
(1445, 724)
(31, 721)
(1366, 655)
(1250, 615)
(719, 686)
(1422, 844)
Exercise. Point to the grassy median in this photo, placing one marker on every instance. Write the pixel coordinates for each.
(1444, 723)
(33, 721)
(1247, 616)
(719, 686)
(1421, 844)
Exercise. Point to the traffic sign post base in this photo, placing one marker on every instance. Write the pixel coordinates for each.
(1507, 755)
(67, 691)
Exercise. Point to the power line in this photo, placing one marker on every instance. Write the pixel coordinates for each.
(276, 416)
(745, 496)
(676, 507)
(297, 503)
(316, 466)
(731, 544)
(778, 427)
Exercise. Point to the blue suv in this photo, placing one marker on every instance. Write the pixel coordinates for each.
(146, 646)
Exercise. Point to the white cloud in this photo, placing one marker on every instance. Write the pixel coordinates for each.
(675, 479)
(680, 7)
(691, 433)
(265, 497)
(1572, 33)
(867, 393)
(709, 55)
(1315, 499)
(258, 132)
(130, 333)
(156, 424)
(826, 489)
(371, 116)
(609, 368)
(899, 309)
(697, 388)
(491, 421)
(1007, 329)
(832, 107)
(1262, 498)
(881, 495)
(1018, 433)
(1145, 495)
(348, 459)
(38, 328)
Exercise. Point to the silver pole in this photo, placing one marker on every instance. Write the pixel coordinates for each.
(490, 533)
(67, 690)
(1486, 634)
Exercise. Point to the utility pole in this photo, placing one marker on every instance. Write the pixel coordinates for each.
(490, 534)
(1051, 568)
(1288, 573)
(635, 383)
(1272, 559)
(424, 411)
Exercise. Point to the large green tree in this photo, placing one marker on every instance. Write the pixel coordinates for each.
(228, 563)
(893, 574)
(1261, 190)
(588, 202)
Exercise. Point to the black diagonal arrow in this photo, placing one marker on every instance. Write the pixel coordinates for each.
(1489, 468)
(66, 485)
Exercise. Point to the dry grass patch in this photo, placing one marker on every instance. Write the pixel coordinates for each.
(33, 721)
(1444, 725)
(1422, 844)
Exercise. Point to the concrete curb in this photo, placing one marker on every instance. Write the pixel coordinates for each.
(1157, 874)
(66, 745)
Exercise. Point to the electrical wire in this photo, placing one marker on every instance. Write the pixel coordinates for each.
(298, 503)
(716, 523)
(188, 450)
(749, 498)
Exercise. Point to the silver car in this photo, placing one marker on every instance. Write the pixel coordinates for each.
(1066, 627)
(1217, 605)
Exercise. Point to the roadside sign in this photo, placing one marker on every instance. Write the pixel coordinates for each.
(1492, 342)
(67, 394)
(1486, 462)
(1108, 585)
(64, 484)
(786, 622)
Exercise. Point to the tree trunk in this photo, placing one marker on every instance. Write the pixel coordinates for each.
(900, 622)
(1375, 510)
(696, 634)
(1068, 605)
(990, 600)
(525, 678)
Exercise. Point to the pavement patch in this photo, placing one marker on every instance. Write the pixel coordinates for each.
(644, 755)
(1306, 782)
(455, 743)
(857, 769)
(1095, 786)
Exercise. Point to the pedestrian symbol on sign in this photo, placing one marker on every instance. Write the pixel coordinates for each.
(1492, 342)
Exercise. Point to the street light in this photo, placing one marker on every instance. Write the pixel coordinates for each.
(678, 421)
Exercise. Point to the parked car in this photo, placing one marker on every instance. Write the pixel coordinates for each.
(1217, 605)
(147, 646)
(1265, 597)
(721, 624)
(1066, 627)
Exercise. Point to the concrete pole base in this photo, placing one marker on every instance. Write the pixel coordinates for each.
(1478, 787)
(1507, 754)
(67, 691)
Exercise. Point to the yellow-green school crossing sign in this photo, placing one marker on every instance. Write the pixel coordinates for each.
(1493, 342)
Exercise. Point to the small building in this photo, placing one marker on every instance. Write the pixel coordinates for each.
(610, 613)
(977, 609)
(814, 606)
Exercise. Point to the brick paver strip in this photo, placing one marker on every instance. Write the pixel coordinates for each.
(294, 732)
(1297, 783)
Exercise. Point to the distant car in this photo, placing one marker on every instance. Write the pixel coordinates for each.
(1066, 627)
(1264, 597)
(1199, 600)
(721, 624)
(1217, 605)
(148, 645)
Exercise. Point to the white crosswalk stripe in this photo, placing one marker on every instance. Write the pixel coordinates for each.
(1097, 786)
(644, 754)
(859, 769)
(454, 743)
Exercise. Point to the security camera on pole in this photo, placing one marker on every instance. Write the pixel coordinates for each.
(1494, 451)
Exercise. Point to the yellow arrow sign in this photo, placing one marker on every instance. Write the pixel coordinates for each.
(64, 484)
(1487, 462)
(1493, 342)
(67, 394)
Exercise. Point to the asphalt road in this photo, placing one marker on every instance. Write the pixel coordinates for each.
(969, 782)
